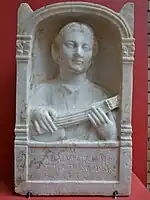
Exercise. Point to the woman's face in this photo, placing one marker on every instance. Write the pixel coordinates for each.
(76, 49)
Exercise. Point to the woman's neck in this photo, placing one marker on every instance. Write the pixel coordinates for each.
(73, 79)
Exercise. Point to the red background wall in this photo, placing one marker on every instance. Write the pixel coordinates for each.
(8, 22)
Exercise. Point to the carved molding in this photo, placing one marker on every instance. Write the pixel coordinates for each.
(32, 144)
(21, 132)
(21, 141)
(23, 47)
(76, 7)
(126, 132)
(128, 50)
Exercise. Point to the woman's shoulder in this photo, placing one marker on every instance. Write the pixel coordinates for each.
(98, 89)
(44, 86)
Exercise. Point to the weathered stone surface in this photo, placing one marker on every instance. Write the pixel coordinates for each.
(73, 133)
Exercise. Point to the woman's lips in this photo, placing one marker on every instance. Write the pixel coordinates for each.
(78, 61)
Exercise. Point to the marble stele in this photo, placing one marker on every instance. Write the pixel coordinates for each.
(74, 100)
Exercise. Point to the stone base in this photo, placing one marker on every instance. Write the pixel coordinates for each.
(78, 168)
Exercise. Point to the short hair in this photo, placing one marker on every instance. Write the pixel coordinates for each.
(69, 28)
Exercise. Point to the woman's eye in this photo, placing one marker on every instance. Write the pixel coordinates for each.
(69, 44)
(86, 47)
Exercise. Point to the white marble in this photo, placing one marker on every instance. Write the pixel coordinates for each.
(73, 132)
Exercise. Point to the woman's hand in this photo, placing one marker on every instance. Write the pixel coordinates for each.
(42, 119)
(104, 123)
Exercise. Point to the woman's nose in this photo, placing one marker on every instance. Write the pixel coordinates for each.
(79, 51)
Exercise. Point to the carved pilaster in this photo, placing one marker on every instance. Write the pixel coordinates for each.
(23, 57)
(128, 48)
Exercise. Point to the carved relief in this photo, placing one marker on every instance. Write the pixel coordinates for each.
(80, 104)
(71, 137)
(128, 50)
(23, 47)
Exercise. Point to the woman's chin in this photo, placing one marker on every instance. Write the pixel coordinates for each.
(77, 69)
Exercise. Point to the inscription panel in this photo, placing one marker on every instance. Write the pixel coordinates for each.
(73, 164)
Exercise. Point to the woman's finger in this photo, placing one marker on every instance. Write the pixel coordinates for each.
(98, 121)
(104, 116)
(43, 125)
(37, 126)
(48, 124)
(47, 120)
(52, 124)
(92, 120)
(101, 120)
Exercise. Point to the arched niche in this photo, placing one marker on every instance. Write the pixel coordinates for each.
(107, 64)
(44, 24)
(112, 67)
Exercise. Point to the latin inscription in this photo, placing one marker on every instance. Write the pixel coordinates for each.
(72, 164)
